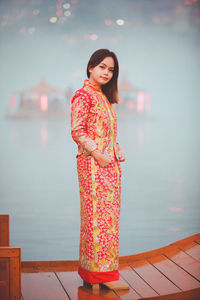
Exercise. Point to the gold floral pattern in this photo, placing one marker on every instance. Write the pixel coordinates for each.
(94, 125)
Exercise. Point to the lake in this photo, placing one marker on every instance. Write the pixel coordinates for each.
(39, 186)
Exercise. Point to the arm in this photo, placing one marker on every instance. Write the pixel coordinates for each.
(80, 107)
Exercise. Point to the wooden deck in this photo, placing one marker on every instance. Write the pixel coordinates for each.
(168, 273)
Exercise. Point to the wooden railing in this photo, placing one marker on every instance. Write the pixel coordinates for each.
(10, 264)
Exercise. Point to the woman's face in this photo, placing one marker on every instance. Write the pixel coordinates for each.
(103, 72)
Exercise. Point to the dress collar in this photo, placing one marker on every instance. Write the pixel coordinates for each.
(92, 86)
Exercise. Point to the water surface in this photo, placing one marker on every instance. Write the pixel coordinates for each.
(39, 185)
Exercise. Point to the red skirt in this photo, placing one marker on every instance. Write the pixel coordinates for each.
(100, 190)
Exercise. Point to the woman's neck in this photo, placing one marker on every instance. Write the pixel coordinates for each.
(98, 86)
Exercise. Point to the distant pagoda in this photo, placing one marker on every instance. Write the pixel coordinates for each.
(132, 98)
(41, 100)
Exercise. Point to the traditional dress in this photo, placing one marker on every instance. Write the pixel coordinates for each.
(94, 125)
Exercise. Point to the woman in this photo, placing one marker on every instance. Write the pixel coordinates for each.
(94, 129)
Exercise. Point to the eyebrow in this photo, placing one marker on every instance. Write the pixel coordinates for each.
(106, 66)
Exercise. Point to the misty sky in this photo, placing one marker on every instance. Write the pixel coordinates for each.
(157, 46)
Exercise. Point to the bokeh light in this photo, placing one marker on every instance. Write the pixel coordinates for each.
(108, 22)
(120, 22)
(94, 37)
(36, 12)
(53, 20)
(67, 13)
(131, 104)
(66, 5)
(59, 13)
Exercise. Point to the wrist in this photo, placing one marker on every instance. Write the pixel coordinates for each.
(95, 152)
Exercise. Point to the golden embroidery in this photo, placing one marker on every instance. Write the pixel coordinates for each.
(93, 124)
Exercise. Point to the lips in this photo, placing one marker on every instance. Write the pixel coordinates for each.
(104, 78)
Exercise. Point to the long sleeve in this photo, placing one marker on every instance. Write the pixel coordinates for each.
(80, 107)
(118, 146)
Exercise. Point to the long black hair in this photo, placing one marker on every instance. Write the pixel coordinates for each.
(110, 89)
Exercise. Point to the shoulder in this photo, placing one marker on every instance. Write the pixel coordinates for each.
(81, 94)
(87, 96)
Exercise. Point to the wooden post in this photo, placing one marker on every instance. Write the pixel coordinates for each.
(4, 230)
(10, 264)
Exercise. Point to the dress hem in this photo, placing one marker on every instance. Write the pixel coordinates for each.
(98, 277)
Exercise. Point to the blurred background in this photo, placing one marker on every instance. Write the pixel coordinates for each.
(44, 50)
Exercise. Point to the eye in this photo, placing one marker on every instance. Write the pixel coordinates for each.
(101, 67)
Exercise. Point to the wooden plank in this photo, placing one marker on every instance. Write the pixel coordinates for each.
(42, 286)
(193, 249)
(87, 294)
(13, 257)
(154, 278)
(127, 294)
(187, 295)
(4, 218)
(186, 262)
(187, 240)
(15, 278)
(147, 277)
(145, 255)
(4, 279)
(4, 230)
(73, 284)
(4, 293)
(177, 275)
(49, 266)
(141, 288)
(10, 252)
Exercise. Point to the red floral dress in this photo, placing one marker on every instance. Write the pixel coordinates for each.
(94, 125)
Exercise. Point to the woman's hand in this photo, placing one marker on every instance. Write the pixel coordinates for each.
(101, 158)
(121, 155)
